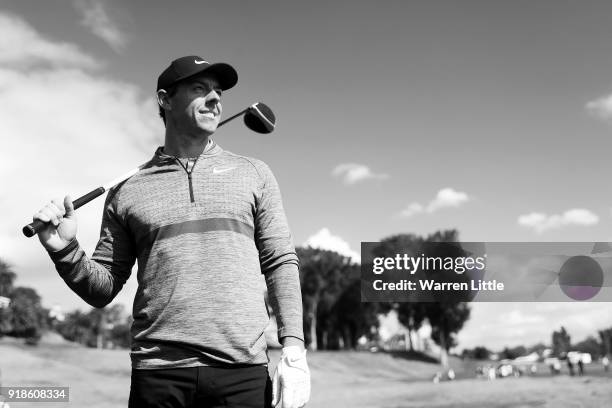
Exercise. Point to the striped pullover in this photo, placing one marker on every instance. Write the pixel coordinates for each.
(202, 231)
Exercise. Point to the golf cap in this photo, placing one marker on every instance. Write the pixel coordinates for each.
(185, 67)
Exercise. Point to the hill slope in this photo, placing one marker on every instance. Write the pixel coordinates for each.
(101, 379)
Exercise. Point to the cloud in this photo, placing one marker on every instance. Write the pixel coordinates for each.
(352, 173)
(66, 129)
(541, 222)
(518, 318)
(601, 108)
(21, 46)
(96, 18)
(412, 209)
(446, 198)
(324, 239)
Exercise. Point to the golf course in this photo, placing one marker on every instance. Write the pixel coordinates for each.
(101, 379)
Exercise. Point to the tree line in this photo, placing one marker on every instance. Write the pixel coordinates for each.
(335, 317)
(23, 316)
(560, 345)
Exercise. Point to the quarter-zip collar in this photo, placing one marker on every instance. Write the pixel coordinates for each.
(211, 149)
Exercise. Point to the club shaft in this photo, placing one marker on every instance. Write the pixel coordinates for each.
(223, 122)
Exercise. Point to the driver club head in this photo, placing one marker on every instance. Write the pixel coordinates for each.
(259, 118)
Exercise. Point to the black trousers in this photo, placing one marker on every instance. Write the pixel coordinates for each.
(201, 387)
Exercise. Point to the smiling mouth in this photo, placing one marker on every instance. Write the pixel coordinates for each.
(208, 114)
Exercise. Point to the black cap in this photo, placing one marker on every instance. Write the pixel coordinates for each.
(191, 65)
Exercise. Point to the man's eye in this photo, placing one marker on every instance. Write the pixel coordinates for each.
(219, 91)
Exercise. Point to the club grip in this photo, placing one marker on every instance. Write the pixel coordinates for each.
(81, 201)
(33, 228)
(36, 226)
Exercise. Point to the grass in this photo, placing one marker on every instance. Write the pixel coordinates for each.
(101, 379)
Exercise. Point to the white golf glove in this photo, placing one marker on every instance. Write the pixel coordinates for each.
(291, 382)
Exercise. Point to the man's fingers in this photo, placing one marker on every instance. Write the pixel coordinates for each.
(68, 206)
(57, 211)
(59, 205)
(287, 395)
(275, 396)
(51, 213)
(301, 396)
(41, 216)
(307, 390)
(303, 400)
(275, 389)
(298, 398)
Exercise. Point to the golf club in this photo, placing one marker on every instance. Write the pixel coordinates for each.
(257, 117)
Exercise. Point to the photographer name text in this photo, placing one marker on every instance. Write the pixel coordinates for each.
(431, 285)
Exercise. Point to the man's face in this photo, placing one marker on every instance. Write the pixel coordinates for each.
(196, 105)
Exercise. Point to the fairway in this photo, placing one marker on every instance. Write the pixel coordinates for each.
(101, 378)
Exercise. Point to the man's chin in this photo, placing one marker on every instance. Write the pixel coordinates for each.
(208, 129)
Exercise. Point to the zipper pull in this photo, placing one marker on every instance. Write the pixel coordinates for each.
(189, 170)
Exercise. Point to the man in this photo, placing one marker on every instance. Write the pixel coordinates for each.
(203, 223)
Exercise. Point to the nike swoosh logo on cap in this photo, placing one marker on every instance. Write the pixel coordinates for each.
(222, 170)
(200, 62)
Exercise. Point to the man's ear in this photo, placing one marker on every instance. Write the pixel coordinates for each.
(163, 99)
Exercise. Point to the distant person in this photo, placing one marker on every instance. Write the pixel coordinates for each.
(570, 366)
(450, 374)
(605, 361)
(479, 372)
(204, 225)
(580, 367)
(491, 373)
(556, 366)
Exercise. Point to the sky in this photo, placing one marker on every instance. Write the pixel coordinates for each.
(491, 117)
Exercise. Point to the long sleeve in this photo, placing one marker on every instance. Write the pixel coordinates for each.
(286, 300)
(272, 235)
(278, 259)
(98, 279)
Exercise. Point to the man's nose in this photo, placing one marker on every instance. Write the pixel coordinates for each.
(213, 97)
(213, 100)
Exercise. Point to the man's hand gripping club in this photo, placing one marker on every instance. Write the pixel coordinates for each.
(61, 224)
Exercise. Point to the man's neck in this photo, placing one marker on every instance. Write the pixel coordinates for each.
(184, 145)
